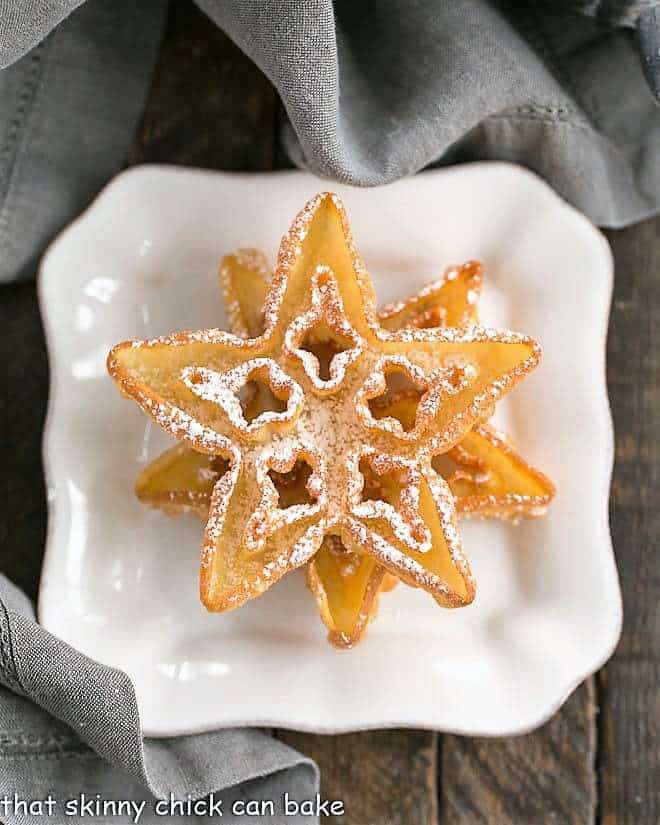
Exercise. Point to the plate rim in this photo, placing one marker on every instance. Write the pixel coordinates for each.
(420, 721)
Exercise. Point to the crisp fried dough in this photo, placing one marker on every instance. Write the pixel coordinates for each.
(325, 362)
(491, 480)
(346, 585)
(451, 301)
(485, 474)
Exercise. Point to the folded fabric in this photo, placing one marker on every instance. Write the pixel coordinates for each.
(378, 90)
(69, 725)
(648, 30)
(68, 112)
(373, 91)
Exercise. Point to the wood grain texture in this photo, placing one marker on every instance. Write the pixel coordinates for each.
(23, 410)
(384, 777)
(209, 106)
(542, 777)
(629, 754)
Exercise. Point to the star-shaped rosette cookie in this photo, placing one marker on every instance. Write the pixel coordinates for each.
(485, 474)
(327, 366)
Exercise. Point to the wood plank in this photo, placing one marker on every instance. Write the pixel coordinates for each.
(542, 777)
(384, 777)
(209, 105)
(282, 160)
(522, 780)
(629, 755)
(23, 409)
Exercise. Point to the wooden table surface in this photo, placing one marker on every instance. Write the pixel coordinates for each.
(598, 759)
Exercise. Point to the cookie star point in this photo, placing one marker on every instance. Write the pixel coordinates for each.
(319, 348)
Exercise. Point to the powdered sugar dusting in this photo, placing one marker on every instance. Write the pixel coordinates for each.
(250, 539)
(327, 308)
(223, 389)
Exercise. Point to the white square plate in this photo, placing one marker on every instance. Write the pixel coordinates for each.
(120, 581)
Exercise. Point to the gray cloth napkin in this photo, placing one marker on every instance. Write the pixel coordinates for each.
(373, 90)
(377, 90)
(68, 111)
(63, 715)
(68, 726)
